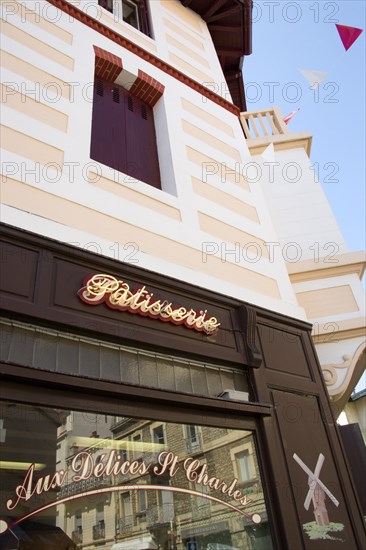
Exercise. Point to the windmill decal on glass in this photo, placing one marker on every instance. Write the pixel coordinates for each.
(317, 491)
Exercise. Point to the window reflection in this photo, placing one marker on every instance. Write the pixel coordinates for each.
(95, 481)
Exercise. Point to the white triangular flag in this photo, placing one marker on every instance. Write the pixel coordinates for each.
(313, 77)
(268, 154)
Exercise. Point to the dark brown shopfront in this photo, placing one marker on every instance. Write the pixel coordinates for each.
(140, 412)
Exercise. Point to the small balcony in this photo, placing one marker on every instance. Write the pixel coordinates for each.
(159, 515)
(77, 536)
(99, 531)
(124, 525)
(85, 485)
(267, 126)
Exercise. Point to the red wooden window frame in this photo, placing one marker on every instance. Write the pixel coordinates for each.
(142, 10)
(106, 4)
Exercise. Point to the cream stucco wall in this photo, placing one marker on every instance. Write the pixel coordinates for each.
(208, 224)
(299, 207)
(325, 276)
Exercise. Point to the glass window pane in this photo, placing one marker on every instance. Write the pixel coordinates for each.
(106, 4)
(75, 479)
(130, 13)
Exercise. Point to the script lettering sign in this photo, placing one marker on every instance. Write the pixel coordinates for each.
(85, 467)
(117, 294)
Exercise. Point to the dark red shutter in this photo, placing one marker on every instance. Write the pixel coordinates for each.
(142, 155)
(123, 133)
(108, 140)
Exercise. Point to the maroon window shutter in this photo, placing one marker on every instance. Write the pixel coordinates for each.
(142, 154)
(123, 133)
(108, 141)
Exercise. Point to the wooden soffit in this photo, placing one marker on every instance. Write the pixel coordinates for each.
(230, 25)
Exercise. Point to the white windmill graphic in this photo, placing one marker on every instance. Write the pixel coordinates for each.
(317, 491)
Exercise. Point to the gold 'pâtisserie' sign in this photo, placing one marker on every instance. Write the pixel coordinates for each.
(116, 294)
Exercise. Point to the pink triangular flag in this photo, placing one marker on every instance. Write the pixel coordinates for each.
(287, 118)
(348, 35)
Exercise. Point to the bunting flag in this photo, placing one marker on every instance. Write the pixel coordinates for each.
(268, 154)
(348, 35)
(287, 118)
(313, 77)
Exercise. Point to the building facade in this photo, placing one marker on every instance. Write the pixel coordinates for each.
(325, 275)
(160, 385)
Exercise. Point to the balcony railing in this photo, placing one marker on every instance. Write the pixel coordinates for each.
(267, 126)
(158, 515)
(124, 525)
(77, 536)
(85, 485)
(259, 124)
(98, 531)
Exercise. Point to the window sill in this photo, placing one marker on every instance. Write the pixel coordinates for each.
(121, 179)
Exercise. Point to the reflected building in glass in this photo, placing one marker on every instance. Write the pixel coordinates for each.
(181, 499)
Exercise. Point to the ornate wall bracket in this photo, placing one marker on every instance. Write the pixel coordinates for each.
(332, 372)
(340, 378)
(248, 319)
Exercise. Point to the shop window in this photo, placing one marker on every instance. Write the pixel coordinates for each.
(134, 364)
(140, 499)
(123, 133)
(134, 13)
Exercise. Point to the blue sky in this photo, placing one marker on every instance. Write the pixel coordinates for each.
(291, 35)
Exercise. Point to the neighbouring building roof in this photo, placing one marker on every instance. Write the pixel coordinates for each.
(358, 395)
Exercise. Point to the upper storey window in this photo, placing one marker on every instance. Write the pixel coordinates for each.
(133, 12)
